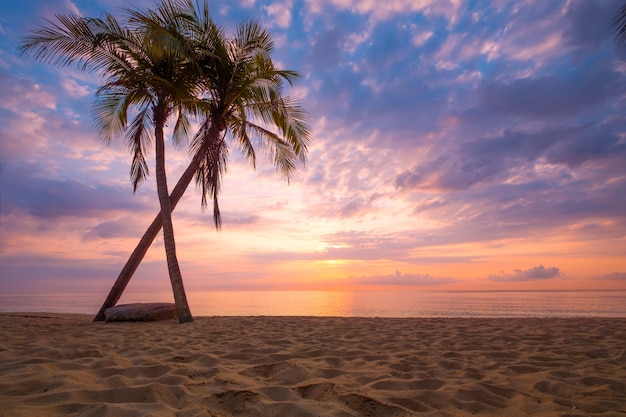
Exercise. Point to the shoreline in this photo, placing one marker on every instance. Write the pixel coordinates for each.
(57, 364)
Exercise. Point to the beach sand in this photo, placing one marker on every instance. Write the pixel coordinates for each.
(65, 365)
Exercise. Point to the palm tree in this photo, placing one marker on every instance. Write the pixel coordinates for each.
(244, 95)
(145, 73)
(241, 91)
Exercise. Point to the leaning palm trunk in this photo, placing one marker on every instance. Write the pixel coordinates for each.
(146, 241)
(211, 143)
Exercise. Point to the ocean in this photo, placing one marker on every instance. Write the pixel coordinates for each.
(407, 303)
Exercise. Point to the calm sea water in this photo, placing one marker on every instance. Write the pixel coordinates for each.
(349, 304)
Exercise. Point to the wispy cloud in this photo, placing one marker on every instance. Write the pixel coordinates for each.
(400, 279)
(613, 276)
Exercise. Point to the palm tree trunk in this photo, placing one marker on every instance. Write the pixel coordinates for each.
(153, 230)
(146, 241)
(176, 279)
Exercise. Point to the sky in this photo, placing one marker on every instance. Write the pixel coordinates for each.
(456, 145)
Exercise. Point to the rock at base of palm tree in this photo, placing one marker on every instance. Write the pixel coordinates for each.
(141, 312)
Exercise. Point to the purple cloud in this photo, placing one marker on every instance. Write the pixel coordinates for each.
(500, 157)
(556, 96)
(50, 198)
(533, 274)
(125, 227)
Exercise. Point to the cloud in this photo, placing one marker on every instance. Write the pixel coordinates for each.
(551, 96)
(325, 51)
(400, 279)
(588, 25)
(280, 12)
(74, 89)
(48, 272)
(378, 12)
(501, 157)
(614, 276)
(533, 274)
(529, 33)
(421, 36)
(115, 229)
(231, 220)
(49, 198)
(20, 93)
(40, 122)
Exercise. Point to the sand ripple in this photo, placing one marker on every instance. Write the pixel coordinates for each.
(65, 365)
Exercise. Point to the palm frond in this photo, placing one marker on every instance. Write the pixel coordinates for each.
(109, 112)
(293, 121)
(251, 37)
(181, 128)
(68, 41)
(619, 21)
(210, 144)
(239, 133)
(138, 140)
(280, 152)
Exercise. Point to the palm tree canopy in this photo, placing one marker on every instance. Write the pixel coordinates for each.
(244, 91)
(176, 54)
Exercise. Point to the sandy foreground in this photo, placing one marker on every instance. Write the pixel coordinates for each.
(60, 364)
